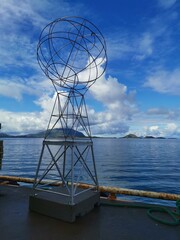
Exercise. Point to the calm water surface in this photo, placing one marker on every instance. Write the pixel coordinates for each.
(145, 164)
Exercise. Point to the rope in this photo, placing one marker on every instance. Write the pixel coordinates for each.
(175, 215)
(175, 221)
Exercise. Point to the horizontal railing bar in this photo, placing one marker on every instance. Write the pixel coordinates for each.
(105, 189)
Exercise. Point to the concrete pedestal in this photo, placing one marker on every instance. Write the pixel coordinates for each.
(60, 207)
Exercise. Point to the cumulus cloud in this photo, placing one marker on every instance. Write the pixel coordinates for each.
(158, 125)
(163, 81)
(20, 27)
(119, 106)
(118, 103)
(153, 130)
(171, 129)
(12, 89)
(113, 94)
(166, 130)
(28, 122)
(19, 54)
(21, 122)
(112, 128)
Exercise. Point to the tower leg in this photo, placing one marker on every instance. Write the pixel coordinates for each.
(66, 162)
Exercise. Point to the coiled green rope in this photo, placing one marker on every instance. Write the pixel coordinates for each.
(175, 215)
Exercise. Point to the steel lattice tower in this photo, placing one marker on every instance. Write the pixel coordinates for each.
(72, 54)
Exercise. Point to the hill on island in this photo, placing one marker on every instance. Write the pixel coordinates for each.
(3, 135)
(146, 137)
(55, 133)
(130, 136)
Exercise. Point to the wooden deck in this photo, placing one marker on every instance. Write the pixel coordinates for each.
(103, 223)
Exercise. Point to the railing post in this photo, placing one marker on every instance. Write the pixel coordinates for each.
(1, 151)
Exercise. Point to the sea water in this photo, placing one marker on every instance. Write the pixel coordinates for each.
(143, 164)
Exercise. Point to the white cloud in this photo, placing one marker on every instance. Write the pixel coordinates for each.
(28, 122)
(17, 51)
(113, 95)
(11, 89)
(166, 3)
(18, 44)
(171, 128)
(110, 128)
(140, 45)
(166, 130)
(119, 106)
(13, 13)
(157, 123)
(21, 122)
(157, 111)
(127, 46)
(152, 131)
(163, 113)
(145, 48)
(150, 42)
(20, 26)
(119, 46)
(16, 87)
(46, 103)
(164, 81)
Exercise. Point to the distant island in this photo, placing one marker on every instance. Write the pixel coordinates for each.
(58, 133)
(146, 137)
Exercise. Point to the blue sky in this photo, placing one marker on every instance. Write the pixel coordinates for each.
(140, 90)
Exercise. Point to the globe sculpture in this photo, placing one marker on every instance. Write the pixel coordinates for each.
(72, 54)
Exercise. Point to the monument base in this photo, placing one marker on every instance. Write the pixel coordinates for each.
(59, 206)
